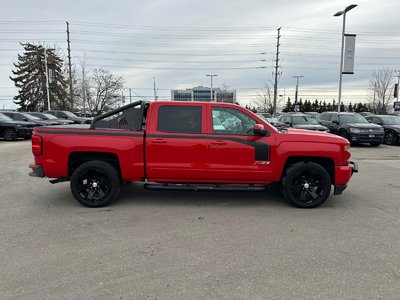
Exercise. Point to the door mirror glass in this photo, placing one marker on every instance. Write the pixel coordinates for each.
(335, 122)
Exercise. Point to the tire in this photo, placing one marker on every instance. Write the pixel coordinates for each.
(10, 134)
(344, 134)
(95, 184)
(390, 138)
(375, 144)
(306, 185)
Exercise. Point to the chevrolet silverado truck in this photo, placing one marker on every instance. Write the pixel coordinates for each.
(190, 145)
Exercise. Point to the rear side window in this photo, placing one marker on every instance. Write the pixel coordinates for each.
(179, 119)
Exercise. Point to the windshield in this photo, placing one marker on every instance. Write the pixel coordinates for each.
(29, 117)
(392, 120)
(50, 117)
(70, 114)
(5, 118)
(352, 119)
(296, 120)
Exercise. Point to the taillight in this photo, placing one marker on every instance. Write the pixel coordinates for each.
(36, 145)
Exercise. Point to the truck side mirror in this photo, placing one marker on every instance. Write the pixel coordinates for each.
(335, 122)
(259, 129)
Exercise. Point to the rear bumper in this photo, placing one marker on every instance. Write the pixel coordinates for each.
(24, 132)
(37, 171)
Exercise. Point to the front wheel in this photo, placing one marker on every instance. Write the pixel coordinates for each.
(306, 185)
(95, 184)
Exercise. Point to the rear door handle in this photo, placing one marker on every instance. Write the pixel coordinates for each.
(218, 143)
(159, 141)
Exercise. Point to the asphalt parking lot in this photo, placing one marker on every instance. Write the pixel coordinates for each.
(200, 245)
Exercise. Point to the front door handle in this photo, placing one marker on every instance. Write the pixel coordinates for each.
(218, 143)
(159, 141)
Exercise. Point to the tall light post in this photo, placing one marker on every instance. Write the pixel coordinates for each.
(212, 94)
(338, 14)
(297, 87)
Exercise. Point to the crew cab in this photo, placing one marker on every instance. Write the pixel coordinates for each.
(190, 145)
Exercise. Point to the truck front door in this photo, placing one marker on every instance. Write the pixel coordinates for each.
(235, 153)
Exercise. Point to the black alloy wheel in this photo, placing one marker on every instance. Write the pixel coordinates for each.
(390, 138)
(344, 134)
(306, 185)
(95, 184)
(10, 134)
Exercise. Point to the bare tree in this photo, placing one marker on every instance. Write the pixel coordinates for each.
(381, 84)
(265, 100)
(104, 90)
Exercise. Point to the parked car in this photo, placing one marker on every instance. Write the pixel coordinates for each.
(312, 114)
(20, 116)
(391, 125)
(49, 117)
(366, 113)
(302, 121)
(353, 127)
(10, 130)
(271, 120)
(264, 115)
(67, 115)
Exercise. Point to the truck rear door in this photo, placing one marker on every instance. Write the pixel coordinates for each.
(176, 143)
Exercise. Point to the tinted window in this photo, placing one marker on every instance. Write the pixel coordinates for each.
(179, 119)
(303, 120)
(324, 117)
(232, 121)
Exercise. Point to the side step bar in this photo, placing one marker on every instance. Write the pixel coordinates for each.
(205, 187)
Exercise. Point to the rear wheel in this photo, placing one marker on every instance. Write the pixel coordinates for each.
(390, 138)
(306, 185)
(95, 184)
(10, 134)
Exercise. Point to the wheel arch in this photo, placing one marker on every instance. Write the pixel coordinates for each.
(76, 159)
(326, 162)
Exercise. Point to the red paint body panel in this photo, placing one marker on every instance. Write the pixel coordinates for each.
(193, 158)
(58, 147)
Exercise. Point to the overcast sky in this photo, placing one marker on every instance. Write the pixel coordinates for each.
(180, 41)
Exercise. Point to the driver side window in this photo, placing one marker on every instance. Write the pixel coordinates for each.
(231, 121)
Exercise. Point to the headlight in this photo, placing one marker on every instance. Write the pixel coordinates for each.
(19, 125)
(355, 130)
(380, 129)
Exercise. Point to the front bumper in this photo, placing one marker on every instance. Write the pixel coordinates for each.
(24, 132)
(366, 138)
(343, 175)
(37, 171)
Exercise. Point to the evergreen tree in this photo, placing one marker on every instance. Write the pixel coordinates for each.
(342, 107)
(315, 106)
(30, 79)
(288, 106)
(329, 107)
(350, 107)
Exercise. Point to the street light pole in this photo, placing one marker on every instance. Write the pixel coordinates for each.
(297, 87)
(339, 13)
(212, 94)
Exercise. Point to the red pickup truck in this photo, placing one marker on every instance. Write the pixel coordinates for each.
(190, 145)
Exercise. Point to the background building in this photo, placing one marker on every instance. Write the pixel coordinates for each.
(202, 93)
